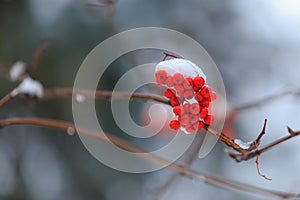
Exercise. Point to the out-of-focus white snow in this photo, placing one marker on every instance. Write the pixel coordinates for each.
(17, 70)
(31, 87)
(80, 98)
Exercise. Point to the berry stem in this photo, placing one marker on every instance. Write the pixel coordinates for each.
(169, 55)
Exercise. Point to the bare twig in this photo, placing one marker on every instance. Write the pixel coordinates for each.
(102, 94)
(182, 169)
(246, 156)
(263, 131)
(258, 170)
(8, 97)
(37, 57)
(265, 100)
(189, 159)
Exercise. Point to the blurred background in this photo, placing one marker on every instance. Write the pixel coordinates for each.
(255, 45)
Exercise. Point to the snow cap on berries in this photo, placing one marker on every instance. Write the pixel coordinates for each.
(182, 66)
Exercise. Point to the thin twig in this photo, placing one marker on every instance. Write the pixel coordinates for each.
(182, 169)
(188, 159)
(263, 131)
(102, 94)
(268, 99)
(258, 170)
(247, 156)
(8, 97)
(37, 57)
(255, 145)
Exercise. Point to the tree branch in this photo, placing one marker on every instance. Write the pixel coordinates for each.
(8, 97)
(37, 57)
(181, 169)
(102, 94)
(244, 153)
(247, 156)
(58, 92)
(268, 99)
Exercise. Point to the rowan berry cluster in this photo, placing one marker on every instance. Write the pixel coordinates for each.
(190, 98)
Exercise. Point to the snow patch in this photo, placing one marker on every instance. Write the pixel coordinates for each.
(244, 145)
(179, 65)
(31, 87)
(17, 70)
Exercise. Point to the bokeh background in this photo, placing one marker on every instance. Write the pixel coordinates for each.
(255, 45)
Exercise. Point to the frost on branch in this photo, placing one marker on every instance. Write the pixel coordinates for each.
(244, 145)
(17, 70)
(30, 87)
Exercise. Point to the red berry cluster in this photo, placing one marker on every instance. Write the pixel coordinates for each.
(181, 90)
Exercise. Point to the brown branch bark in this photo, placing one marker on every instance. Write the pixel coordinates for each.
(181, 169)
(8, 97)
(247, 156)
(37, 57)
(101, 94)
(243, 155)
(58, 92)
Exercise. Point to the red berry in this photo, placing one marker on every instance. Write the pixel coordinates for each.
(188, 94)
(185, 119)
(179, 118)
(194, 108)
(203, 113)
(161, 76)
(188, 84)
(194, 118)
(198, 83)
(201, 125)
(190, 80)
(209, 119)
(179, 89)
(174, 101)
(180, 93)
(174, 124)
(169, 81)
(205, 92)
(186, 108)
(178, 78)
(169, 93)
(190, 129)
(199, 96)
(204, 103)
(177, 110)
(213, 96)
